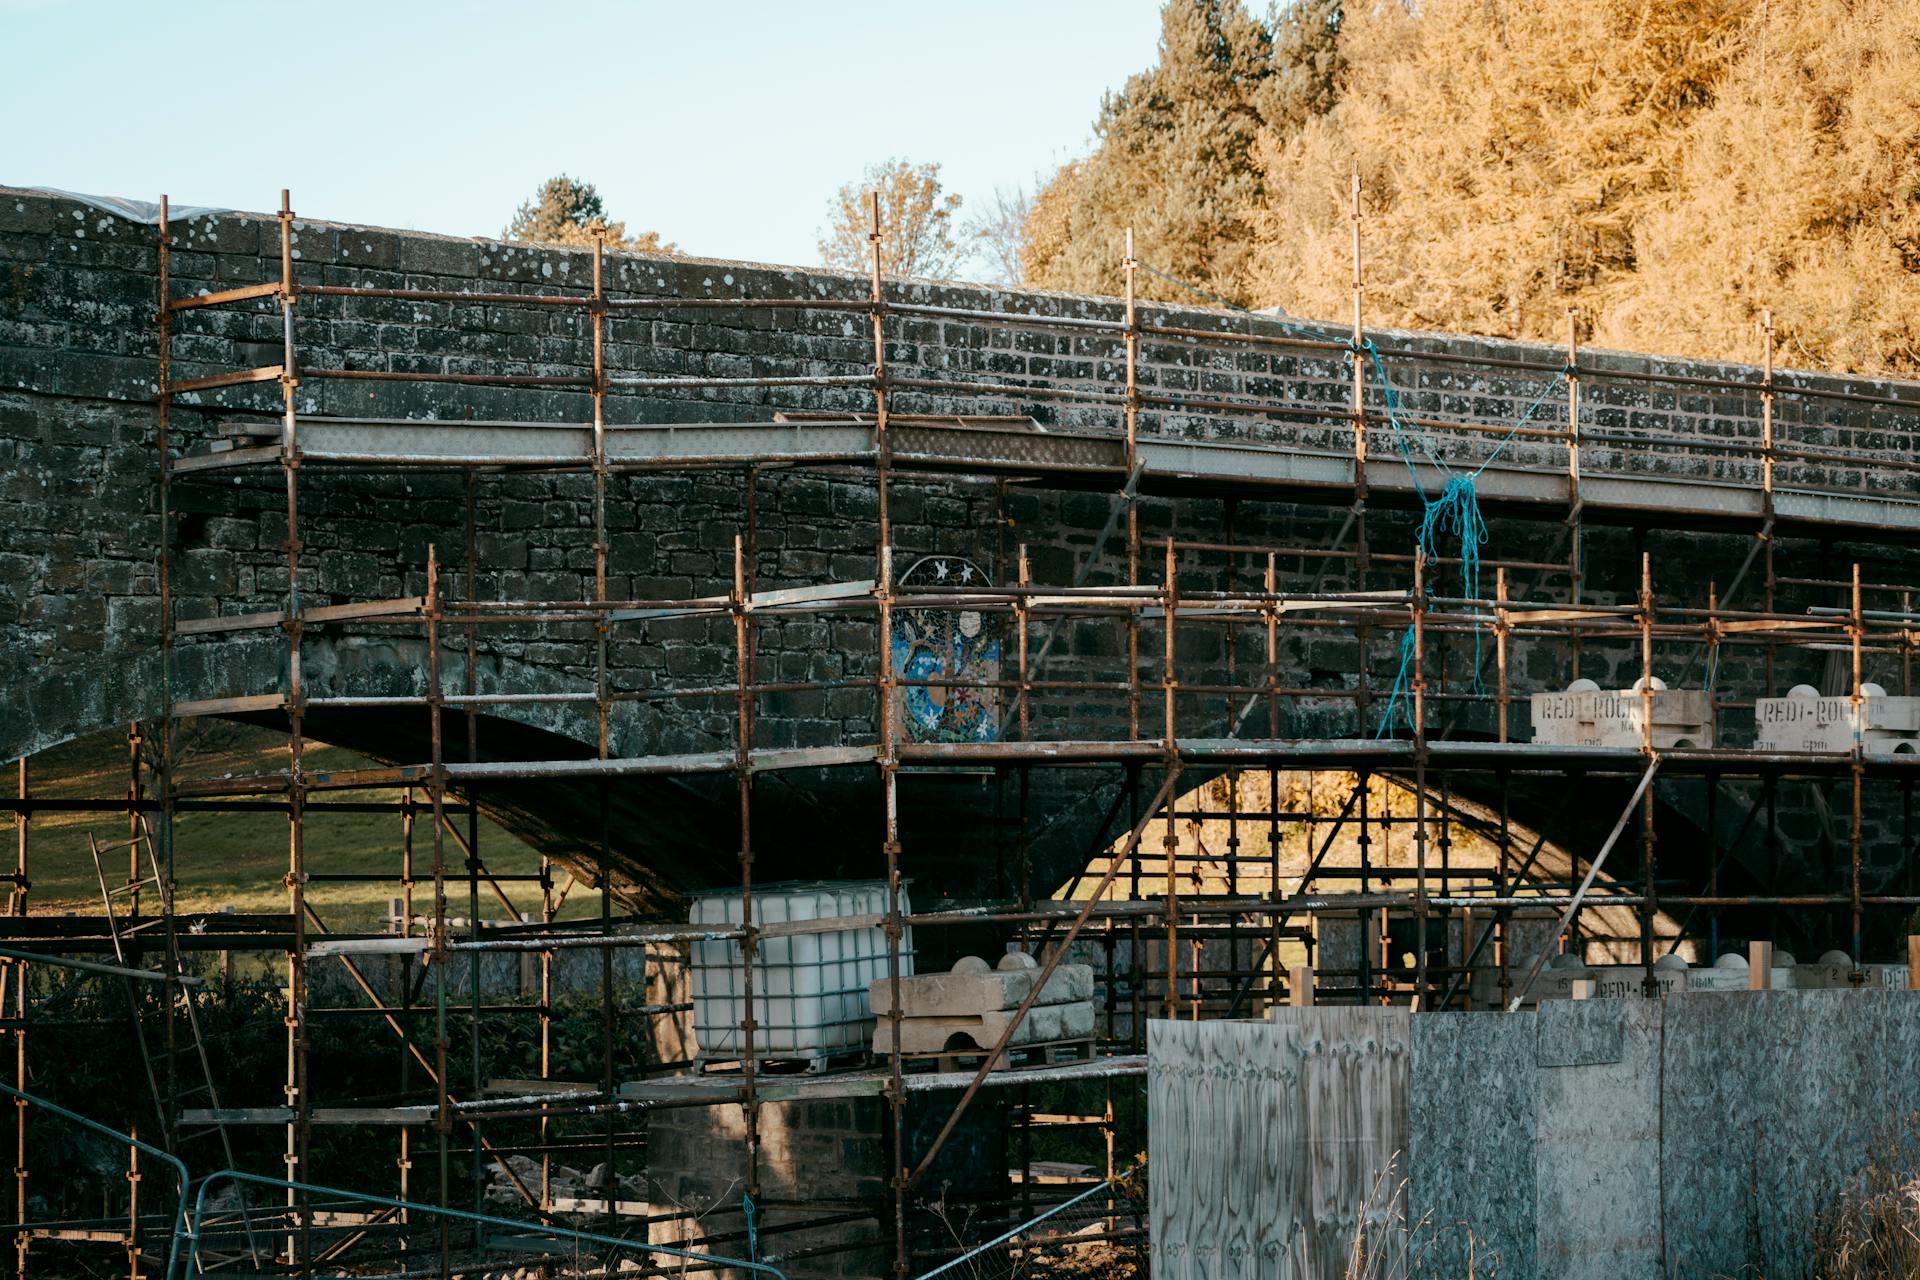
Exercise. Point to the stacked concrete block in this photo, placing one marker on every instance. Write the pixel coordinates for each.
(1834, 972)
(1585, 715)
(1555, 981)
(969, 1008)
(1804, 720)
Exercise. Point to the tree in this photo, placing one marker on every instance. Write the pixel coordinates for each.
(1506, 152)
(917, 223)
(1667, 169)
(1174, 157)
(998, 232)
(567, 211)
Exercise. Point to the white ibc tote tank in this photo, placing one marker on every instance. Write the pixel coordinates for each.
(809, 989)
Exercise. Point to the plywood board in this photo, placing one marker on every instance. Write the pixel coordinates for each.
(1272, 1142)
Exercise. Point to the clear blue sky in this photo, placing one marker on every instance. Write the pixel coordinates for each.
(725, 126)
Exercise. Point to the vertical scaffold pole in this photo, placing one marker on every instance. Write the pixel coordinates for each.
(437, 954)
(1772, 581)
(1132, 412)
(1649, 902)
(299, 1128)
(888, 743)
(1170, 840)
(1576, 552)
(1503, 696)
(1856, 633)
(743, 785)
(16, 970)
(476, 1175)
(597, 316)
(1419, 681)
(1362, 551)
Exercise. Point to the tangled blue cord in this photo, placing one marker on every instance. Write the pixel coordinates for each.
(1451, 516)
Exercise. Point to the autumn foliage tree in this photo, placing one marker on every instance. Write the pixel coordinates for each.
(566, 210)
(1509, 153)
(1175, 154)
(1667, 168)
(919, 227)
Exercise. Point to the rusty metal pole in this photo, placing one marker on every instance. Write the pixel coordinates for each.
(1576, 567)
(17, 971)
(470, 684)
(1022, 620)
(1419, 680)
(888, 748)
(1649, 902)
(597, 314)
(1132, 413)
(300, 1126)
(597, 311)
(133, 1206)
(1856, 632)
(743, 784)
(1170, 841)
(437, 954)
(404, 1163)
(1502, 698)
(1772, 580)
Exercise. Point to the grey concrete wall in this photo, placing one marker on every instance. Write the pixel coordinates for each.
(1687, 1138)
(1481, 1210)
(1692, 1137)
(1597, 1135)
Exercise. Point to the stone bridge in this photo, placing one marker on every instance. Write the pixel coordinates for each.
(1245, 437)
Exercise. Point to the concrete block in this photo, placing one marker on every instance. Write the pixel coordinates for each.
(1555, 982)
(1806, 721)
(1043, 1024)
(971, 988)
(1585, 715)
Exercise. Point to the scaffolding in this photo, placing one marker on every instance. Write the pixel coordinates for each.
(1393, 602)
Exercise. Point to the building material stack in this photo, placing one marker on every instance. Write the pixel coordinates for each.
(966, 1011)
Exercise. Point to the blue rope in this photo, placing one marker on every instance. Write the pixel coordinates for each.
(753, 1234)
(1452, 516)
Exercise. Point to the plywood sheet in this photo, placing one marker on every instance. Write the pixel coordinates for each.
(1272, 1141)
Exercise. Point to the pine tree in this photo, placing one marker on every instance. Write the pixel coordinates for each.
(1174, 157)
(567, 211)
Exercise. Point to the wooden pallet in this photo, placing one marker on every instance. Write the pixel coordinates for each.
(813, 1065)
(1045, 1054)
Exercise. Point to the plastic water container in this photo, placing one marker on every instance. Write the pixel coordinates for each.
(809, 989)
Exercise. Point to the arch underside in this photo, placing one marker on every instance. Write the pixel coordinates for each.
(965, 836)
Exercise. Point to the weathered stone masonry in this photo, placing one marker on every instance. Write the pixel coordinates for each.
(78, 527)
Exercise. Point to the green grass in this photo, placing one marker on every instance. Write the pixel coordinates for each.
(240, 860)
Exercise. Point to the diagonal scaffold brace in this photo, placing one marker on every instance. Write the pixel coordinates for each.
(1593, 871)
(1046, 971)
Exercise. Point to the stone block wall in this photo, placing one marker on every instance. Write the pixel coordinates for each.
(79, 526)
(78, 339)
